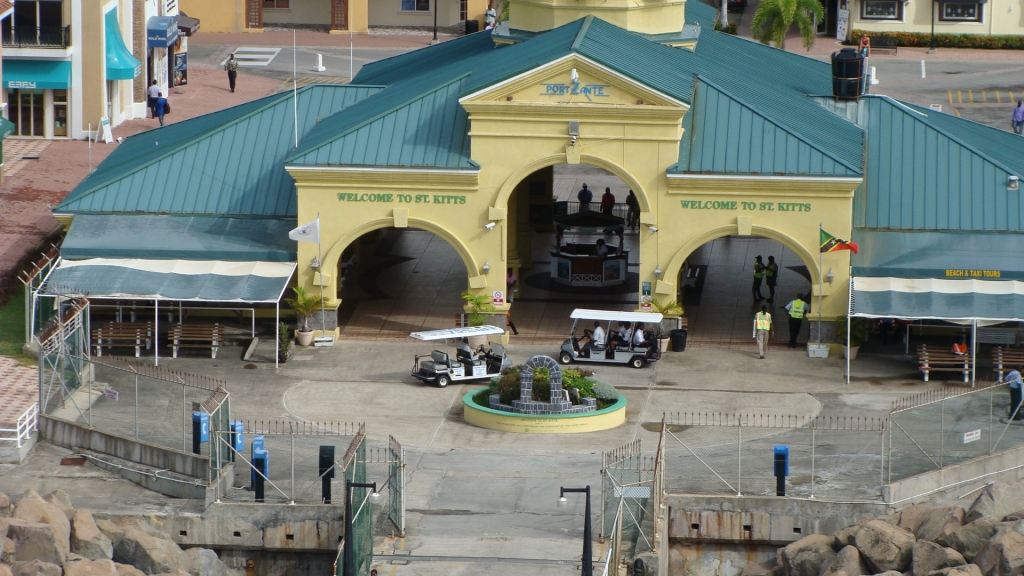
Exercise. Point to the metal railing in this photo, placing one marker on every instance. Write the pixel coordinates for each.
(37, 37)
(26, 423)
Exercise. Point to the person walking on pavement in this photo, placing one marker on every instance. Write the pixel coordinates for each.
(152, 93)
(771, 277)
(1013, 378)
(758, 277)
(584, 196)
(763, 330)
(797, 310)
(232, 67)
(511, 281)
(1018, 118)
(161, 107)
(509, 323)
(607, 202)
(633, 210)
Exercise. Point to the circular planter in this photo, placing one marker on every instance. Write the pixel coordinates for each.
(851, 352)
(485, 417)
(304, 338)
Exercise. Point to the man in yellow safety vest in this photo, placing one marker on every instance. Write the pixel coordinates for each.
(763, 330)
(797, 310)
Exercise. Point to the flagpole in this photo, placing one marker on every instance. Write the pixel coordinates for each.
(821, 284)
(295, 106)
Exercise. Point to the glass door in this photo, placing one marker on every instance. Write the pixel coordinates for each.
(60, 113)
(27, 113)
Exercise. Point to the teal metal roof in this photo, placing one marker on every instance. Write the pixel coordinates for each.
(156, 237)
(819, 142)
(229, 163)
(929, 170)
(724, 135)
(430, 131)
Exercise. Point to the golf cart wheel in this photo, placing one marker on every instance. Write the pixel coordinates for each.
(442, 381)
(565, 358)
(637, 362)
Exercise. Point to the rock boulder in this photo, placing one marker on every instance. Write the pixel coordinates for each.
(5, 505)
(60, 499)
(807, 556)
(937, 522)
(126, 570)
(149, 553)
(966, 570)
(5, 570)
(757, 570)
(996, 501)
(969, 538)
(90, 568)
(929, 557)
(87, 540)
(848, 562)
(35, 568)
(35, 541)
(206, 563)
(1003, 555)
(884, 547)
(33, 508)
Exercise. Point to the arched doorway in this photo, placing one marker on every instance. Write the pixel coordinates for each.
(398, 280)
(715, 286)
(544, 293)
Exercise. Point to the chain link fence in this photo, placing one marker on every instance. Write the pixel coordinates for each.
(134, 401)
(940, 428)
(710, 453)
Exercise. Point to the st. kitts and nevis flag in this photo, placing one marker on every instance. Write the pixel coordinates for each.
(830, 243)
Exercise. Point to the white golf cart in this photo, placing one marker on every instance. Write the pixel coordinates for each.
(440, 368)
(613, 350)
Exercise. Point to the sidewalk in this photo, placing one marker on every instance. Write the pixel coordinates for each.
(31, 187)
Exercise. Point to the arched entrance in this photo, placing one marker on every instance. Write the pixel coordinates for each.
(394, 281)
(715, 284)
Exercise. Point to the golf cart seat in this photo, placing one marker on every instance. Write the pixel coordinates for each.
(439, 357)
(467, 358)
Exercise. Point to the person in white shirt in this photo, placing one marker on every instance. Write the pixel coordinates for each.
(638, 335)
(599, 336)
(153, 92)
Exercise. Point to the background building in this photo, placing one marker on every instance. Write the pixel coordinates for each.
(985, 17)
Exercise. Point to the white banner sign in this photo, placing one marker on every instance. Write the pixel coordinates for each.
(842, 23)
(972, 436)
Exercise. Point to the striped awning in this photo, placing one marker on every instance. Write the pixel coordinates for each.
(938, 298)
(178, 280)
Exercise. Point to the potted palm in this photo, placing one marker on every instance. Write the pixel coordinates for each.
(774, 18)
(858, 334)
(671, 311)
(305, 304)
(478, 306)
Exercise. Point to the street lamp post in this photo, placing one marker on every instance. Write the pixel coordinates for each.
(588, 552)
(932, 49)
(435, 40)
(348, 566)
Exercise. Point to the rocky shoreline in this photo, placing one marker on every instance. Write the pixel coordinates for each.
(49, 537)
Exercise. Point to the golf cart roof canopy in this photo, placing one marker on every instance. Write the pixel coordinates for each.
(450, 333)
(612, 316)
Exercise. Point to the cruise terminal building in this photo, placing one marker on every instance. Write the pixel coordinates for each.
(717, 136)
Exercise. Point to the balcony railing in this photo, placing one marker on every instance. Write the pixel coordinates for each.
(32, 37)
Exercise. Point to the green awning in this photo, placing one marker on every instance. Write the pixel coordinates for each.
(121, 65)
(37, 74)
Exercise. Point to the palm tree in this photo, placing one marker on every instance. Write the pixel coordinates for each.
(774, 18)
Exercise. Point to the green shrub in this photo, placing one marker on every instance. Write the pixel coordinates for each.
(580, 380)
(729, 28)
(284, 343)
(506, 385)
(605, 391)
(924, 39)
(541, 384)
(481, 398)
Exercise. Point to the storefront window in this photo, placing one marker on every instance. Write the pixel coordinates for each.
(279, 4)
(416, 5)
(961, 11)
(881, 10)
(27, 112)
(60, 113)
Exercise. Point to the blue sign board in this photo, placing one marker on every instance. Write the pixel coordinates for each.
(161, 31)
(237, 439)
(204, 425)
(258, 451)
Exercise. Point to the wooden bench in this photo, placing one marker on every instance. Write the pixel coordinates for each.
(134, 334)
(1008, 358)
(195, 336)
(937, 359)
(881, 43)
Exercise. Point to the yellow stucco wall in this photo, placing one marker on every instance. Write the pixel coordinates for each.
(299, 12)
(94, 105)
(998, 17)
(216, 15)
(522, 126)
(389, 13)
(650, 17)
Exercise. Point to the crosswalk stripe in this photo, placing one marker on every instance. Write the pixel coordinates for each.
(254, 55)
